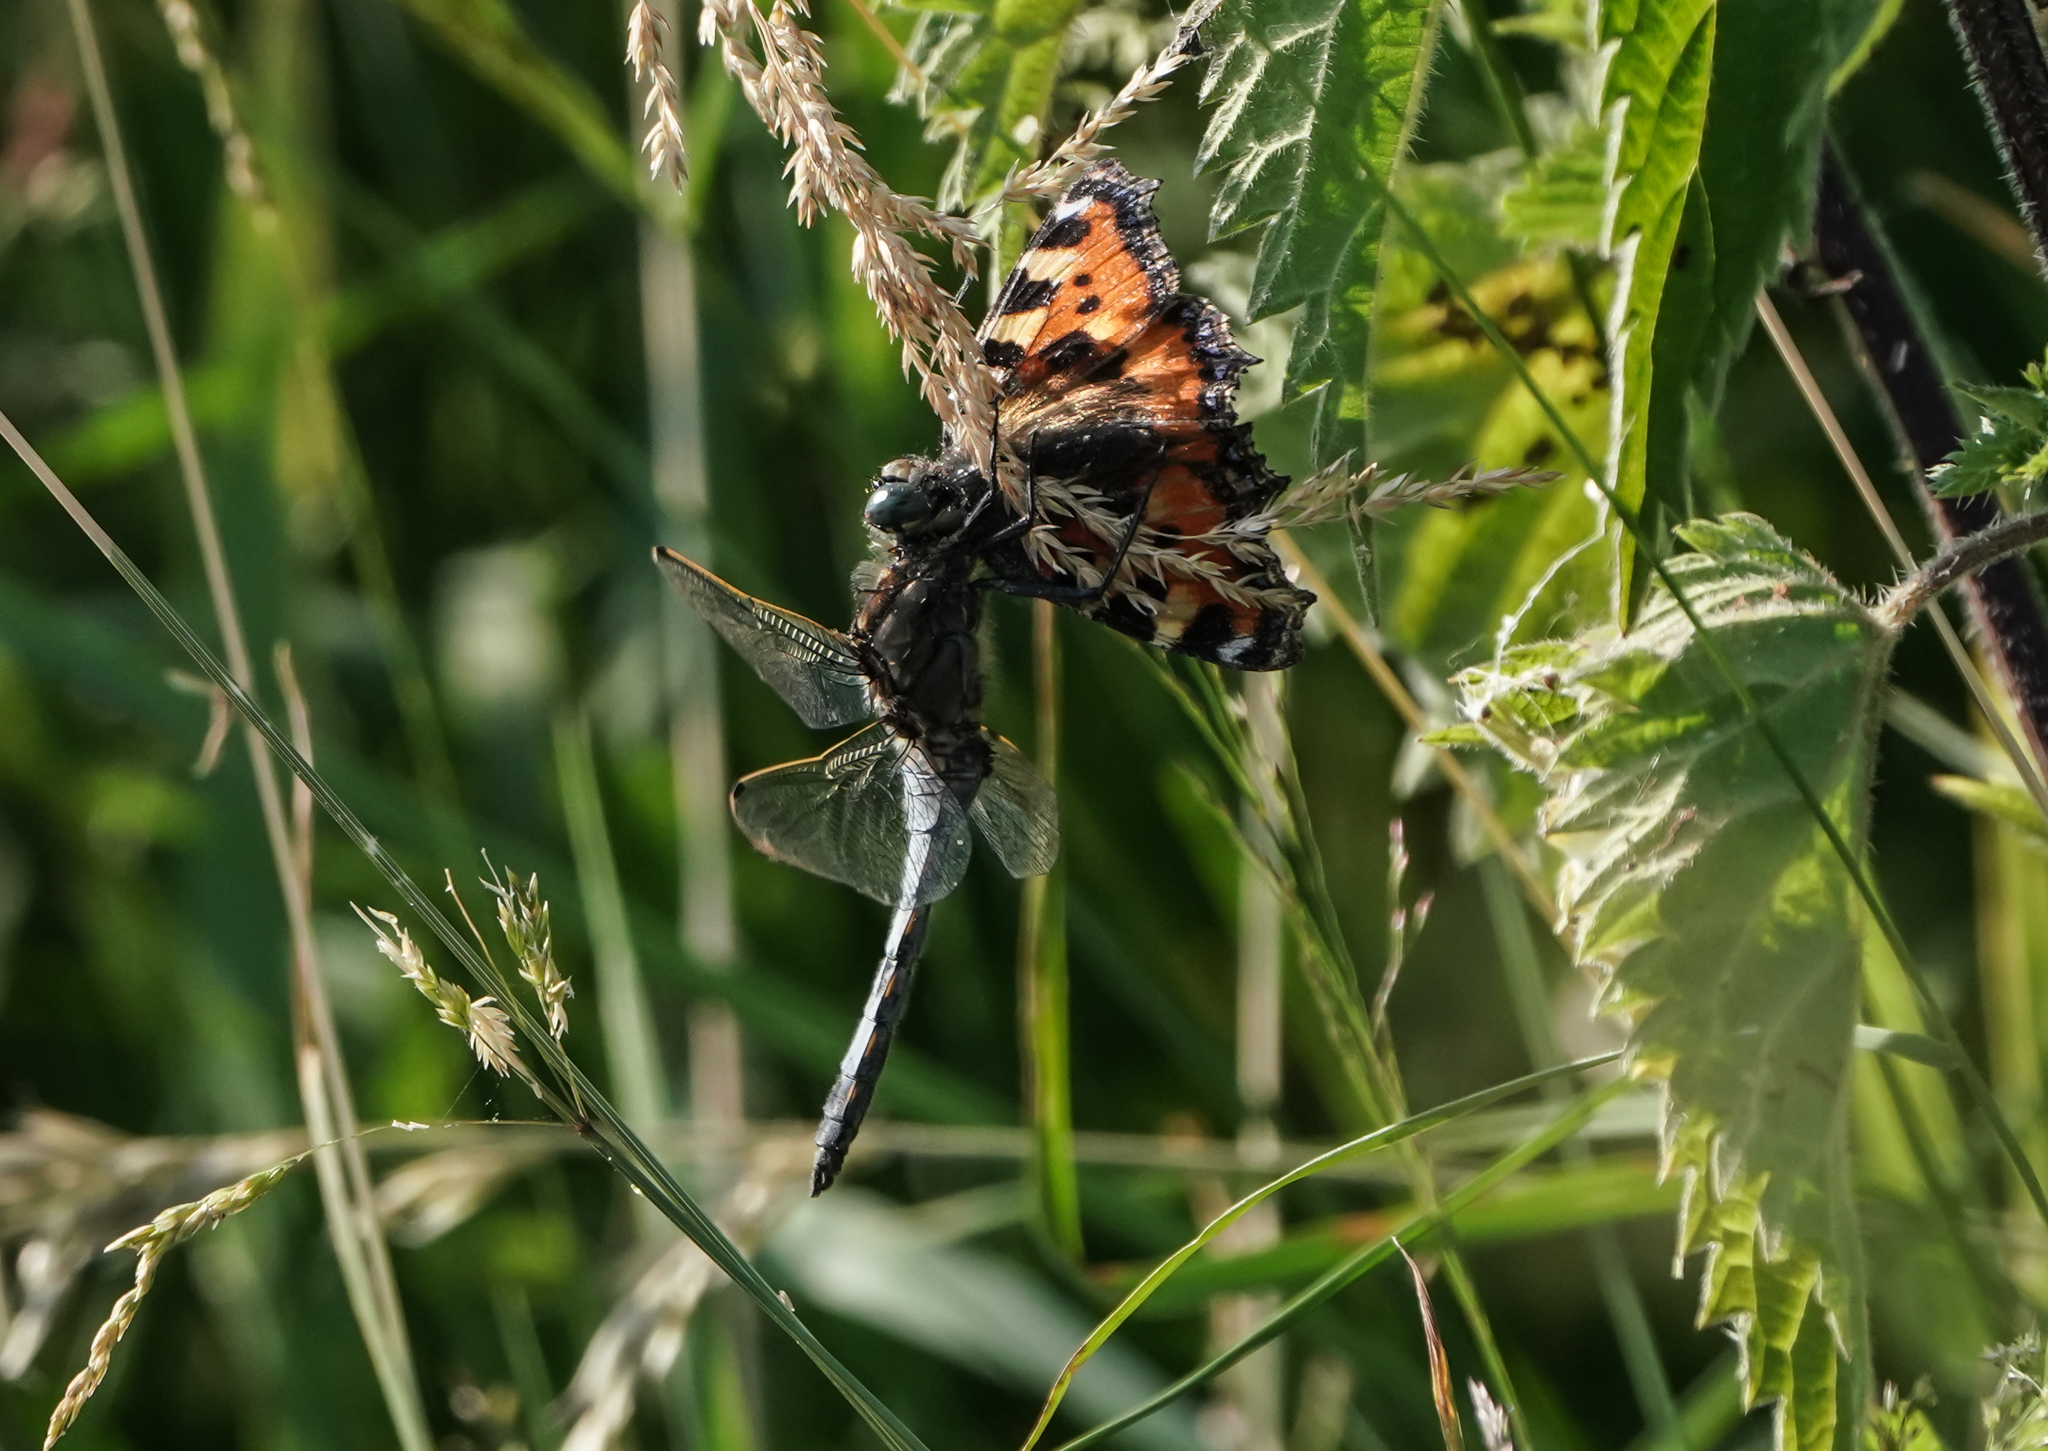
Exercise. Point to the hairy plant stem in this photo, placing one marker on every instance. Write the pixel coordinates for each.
(2004, 604)
(1958, 560)
(2011, 77)
(1859, 876)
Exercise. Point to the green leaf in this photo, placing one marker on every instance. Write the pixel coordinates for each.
(1443, 397)
(1562, 195)
(1758, 160)
(1854, 29)
(992, 69)
(1656, 98)
(1315, 103)
(1722, 924)
(2009, 450)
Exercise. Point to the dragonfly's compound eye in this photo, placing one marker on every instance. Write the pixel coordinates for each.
(899, 503)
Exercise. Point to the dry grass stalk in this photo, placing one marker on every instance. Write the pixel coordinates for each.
(1439, 1362)
(780, 67)
(1336, 491)
(646, 29)
(67, 1184)
(489, 1030)
(1044, 180)
(239, 156)
(151, 1242)
(642, 1335)
(523, 918)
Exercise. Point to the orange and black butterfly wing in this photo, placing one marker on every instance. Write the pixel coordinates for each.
(1118, 394)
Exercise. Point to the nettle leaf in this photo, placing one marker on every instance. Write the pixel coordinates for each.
(1315, 102)
(1722, 925)
(1758, 161)
(1655, 100)
(992, 64)
(1563, 193)
(2009, 450)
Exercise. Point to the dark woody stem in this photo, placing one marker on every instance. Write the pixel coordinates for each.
(2011, 76)
(2005, 607)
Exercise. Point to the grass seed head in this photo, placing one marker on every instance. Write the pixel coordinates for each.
(523, 918)
(646, 28)
(151, 1242)
(481, 1019)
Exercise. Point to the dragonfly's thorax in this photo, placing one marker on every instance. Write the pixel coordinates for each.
(918, 627)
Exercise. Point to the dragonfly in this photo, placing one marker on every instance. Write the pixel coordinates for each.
(1137, 499)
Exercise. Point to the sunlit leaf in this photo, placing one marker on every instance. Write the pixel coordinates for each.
(2009, 450)
(1719, 919)
(1563, 193)
(1443, 397)
(1655, 96)
(1315, 101)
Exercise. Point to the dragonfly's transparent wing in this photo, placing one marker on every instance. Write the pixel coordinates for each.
(811, 667)
(1017, 812)
(870, 812)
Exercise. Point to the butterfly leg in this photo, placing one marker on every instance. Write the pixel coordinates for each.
(854, 1090)
(1080, 596)
(1022, 523)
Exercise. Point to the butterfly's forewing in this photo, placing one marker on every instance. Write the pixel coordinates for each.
(809, 666)
(870, 813)
(1017, 812)
(1119, 389)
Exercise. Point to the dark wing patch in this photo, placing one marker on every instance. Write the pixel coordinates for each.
(1110, 350)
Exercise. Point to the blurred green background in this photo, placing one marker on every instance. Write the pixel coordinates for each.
(420, 377)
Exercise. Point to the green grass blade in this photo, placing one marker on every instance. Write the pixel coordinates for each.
(585, 1109)
(1378, 1139)
(631, 1048)
(488, 37)
(1421, 1226)
(1042, 986)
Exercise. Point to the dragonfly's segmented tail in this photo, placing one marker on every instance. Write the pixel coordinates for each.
(859, 1070)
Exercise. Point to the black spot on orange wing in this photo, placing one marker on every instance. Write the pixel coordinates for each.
(1122, 354)
(1101, 237)
(1024, 294)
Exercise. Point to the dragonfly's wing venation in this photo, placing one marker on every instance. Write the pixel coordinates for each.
(1017, 812)
(870, 813)
(811, 667)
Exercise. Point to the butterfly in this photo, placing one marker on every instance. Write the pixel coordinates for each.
(1126, 488)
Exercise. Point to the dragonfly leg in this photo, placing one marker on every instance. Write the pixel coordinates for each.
(861, 1068)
